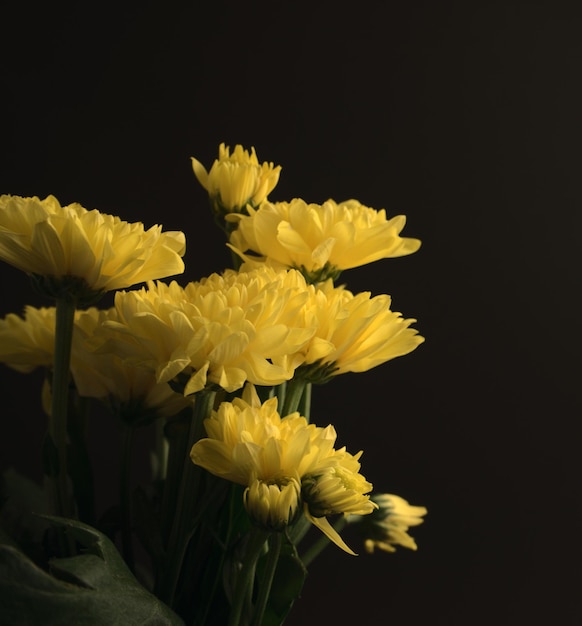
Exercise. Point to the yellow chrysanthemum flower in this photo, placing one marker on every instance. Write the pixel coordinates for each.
(388, 525)
(338, 489)
(28, 342)
(321, 240)
(250, 444)
(223, 330)
(100, 252)
(130, 391)
(354, 333)
(236, 180)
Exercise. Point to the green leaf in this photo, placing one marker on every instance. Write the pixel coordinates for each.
(92, 589)
(19, 496)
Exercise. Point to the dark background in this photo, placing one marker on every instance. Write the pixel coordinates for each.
(465, 116)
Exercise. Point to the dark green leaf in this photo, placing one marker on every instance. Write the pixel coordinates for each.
(93, 589)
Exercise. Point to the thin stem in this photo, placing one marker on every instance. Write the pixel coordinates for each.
(224, 547)
(235, 259)
(65, 317)
(293, 394)
(228, 228)
(185, 508)
(275, 541)
(245, 580)
(161, 448)
(125, 494)
(176, 432)
(280, 392)
(305, 404)
(299, 530)
(80, 468)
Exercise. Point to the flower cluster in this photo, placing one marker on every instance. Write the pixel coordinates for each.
(222, 368)
(258, 325)
(284, 463)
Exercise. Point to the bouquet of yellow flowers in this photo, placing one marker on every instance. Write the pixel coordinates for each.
(222, 371)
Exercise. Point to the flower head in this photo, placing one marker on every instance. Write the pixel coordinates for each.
(131, 392)
(387, 526)
(28, 342)
(284, 462)
(236, 180)
(223, 330)
(354, 333)
(339, 488)
(321, 240)
(87, 252)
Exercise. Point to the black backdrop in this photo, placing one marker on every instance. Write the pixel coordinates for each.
(465, 116)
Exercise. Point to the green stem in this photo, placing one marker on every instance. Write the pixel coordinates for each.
(305, 404)
(224, 545)
(125, 494)
(161, 447)
(293, 394)
(185, 509)
(280, 392)
(79, 461)
(235, 259)
(322, 543)
(244, 584)
(65, 317)
(228, 228)
(275, 541)
(299, 530)
(176, 432)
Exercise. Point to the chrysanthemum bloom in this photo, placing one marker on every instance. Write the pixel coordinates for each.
(387, 526)
(28, 342)
(354, 333)
(88, 252)
(130, 391)
(223, 330)
(321, 240)
(236, 180)
(339, 488)
(250, 444)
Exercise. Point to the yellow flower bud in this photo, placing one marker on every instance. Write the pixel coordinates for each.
(340, 489)
(272, 506)
(236, 180)
(387, 527)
